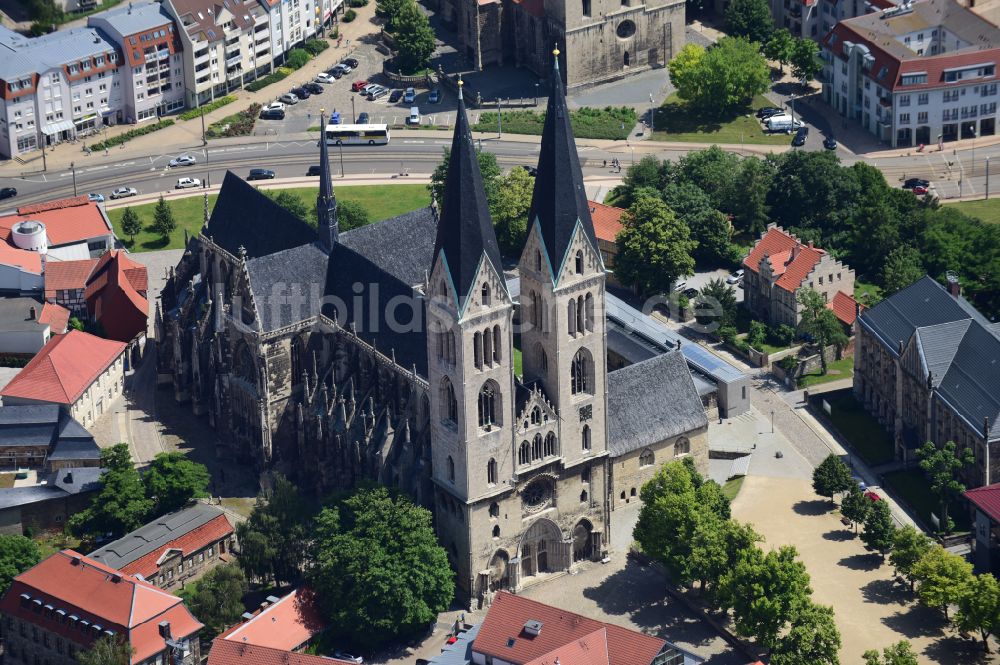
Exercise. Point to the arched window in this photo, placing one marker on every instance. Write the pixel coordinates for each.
(496, 530)
(581, 373)
(487, 348)
(583, 496)
(623, 495)
(477, 349)
(589, 309)
(524, 453)
(579, 262)
(536, 447)
(486, 295)
(586, 437)
(545, 361)
(494, 509)
(496, 344)
(491, 472)
(449, 405)
(538, 259)
(440, 345)
(489, 404)
(451, 469)
(632, 492)
(580, 315)
(646, 458)
(297, 360)
(536, 311)
(571, 316)
(682, 446)
(536, 416)
(550, 444)
(443, 289)
(244, 366)
(586, 8)
(450, 347)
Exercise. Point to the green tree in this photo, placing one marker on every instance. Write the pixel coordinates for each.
(942, 578)
(172, 480)
(729, 75)
(510, 210)
(378, 569)
(832, 477)
(131, 224)
(163, 218)
(389, 10)
(778, 47)
(903, 266)
(647, 172)
(291, 203)
(716, 304)
(351, 215)
(668, 519)
(805, 60)
(813, 639)
(820, 323)
(979, 608)
(709, 227)
(414, 38)
(909, 546)
(654, 247)
(297, 58)
(941, 465)
(76, 324)
(746, 197)
(218, 598)
(812, 195)
(716, 546)
(685, 72)
(273, 539)
(855, 506)
(120, 504)
(714, 171)
(17, 554)
(900, 653)
(757, 335)
(879, 531)
(107, 651)
(750, 19)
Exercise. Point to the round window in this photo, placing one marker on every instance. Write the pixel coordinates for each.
(625, 29)
(536, 495)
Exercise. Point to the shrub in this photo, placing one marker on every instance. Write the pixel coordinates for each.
(758, 334)
(350, 15)
(335, 33)
(788, 363)
(611, 122)
(238, 124)
(261, 83)
(297, 58)
(359, 3)
(317, 46)
(131, 134)
(727, 334)
(783, 335)
(207, 108)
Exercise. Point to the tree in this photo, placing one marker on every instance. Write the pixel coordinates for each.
(76, 324)
(805, 60)
(415, 42)
(716, 304)
(107, 650)
(510, 210)
(778, 47)
(351, 215)
(902, 267)
(389, 10)
(879, 531)
(716, 547)
(942, 578)
(131, 224)
(218, 598)
(820, 323)
(750, 19)
(172, 480)
(900, 653)
(378, 569)
(813, 639)
(909, 546)
(709, 227)
(979, 608)
(746, 197)
(654, 247)
(668, 519)
(855, 506)
(120, 504)
(685, 72)
(714, 81)
(163, 219)
(273, 539)
(941, 466)
(17, 554)
(831, 477)
(291, 203)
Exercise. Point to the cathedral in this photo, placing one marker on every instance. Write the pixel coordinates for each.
(386, 353)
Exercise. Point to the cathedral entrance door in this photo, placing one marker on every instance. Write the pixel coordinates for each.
(582, 541)
(527, 561)
(543, 557)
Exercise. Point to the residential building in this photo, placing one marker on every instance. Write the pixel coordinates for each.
(292, 22)
(68, 601)
(780, 266)
(82, 373)
(985, 506)
(607, 224)
(925, 366)
(59, 230)
(227, 652)
(153, 66)
(48, 505)
(56, 87)
(27, 324)
(43, 435)
(113, 301)
(172, 549)
(288, 623)
(813, 19)
(66, 282)
(920, 73)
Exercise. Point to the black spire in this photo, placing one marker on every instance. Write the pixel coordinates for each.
(559, 199)
(326, 200)
(465, 229)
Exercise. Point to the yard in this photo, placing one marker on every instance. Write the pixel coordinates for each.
(838, 369)
(676, 122)
(865, 436)
(910, 486)
(381, 202)
(987, 210)
(732, 487)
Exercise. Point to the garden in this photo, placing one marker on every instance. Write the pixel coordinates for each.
(610, 122)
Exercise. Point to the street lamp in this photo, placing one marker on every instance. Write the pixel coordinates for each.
(499, 123)
(772, 421)
(987, 177)
(536, 94)
(72, 167)
(354, 117)
(791, 101)
(974, 132)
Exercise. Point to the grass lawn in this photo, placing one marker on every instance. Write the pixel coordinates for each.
(865, 435)
(912, 487)
(610, 122)
(676, 122)
(381, 202)
(518, 362)
(732, 487)
(771, 348)
(50, 543)
(838, 369)
(986, 210)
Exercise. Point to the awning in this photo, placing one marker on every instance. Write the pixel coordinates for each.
(105, 110)
(57, 127)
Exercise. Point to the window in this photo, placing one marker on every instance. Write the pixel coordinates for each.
(589, 312)
(494, 509)
(922, 118)
(904, 100)
(496, 344)
(580, 373)
(451, 469)
(496, 530)
(448, 401)
(904, 118)
(583, 496)
(491, 472)
(538, 260)
(571, 316)
(536, 447)
(586, 8)
(646, 458)
(536, 416)
(586, 438)
(912, 79)
(489, 405)
(682, 447)
(579, 262)
(922, 98)
(486, 295)
(550, 445)
(524, 453)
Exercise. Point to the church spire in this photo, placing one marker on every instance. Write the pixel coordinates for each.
(559, 200)
(326, 200)
(465, 229)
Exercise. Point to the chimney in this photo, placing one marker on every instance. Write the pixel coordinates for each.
(32, 313)
(68, 478)
(954, 286)
(165, 630)
(74, 560)
(116, 579)
(811, 245)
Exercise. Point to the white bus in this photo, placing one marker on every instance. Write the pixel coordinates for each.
(357, 134)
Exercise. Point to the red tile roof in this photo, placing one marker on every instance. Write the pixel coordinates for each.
(560, 630)
(287, 624)
(67, 275)
(102, 596)
(607, 220)
(986, 499)
(23, 259)
(789, 257)
(64, 368)
(66, 221)
(845, 307)
(113, 301)
(56, 316)
(210, 532)
(225, 652)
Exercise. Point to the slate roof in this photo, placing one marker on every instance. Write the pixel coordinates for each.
(46, 425)
(26, 56)
(465, 229)
(402, 246)
(971, 385)
(13, 497)
(15, 314)
(78, 479)
(244, 217)
(287, 286)
(559, 199)
(652, 401)
(75, 449)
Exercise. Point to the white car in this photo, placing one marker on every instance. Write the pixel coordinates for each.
(274, 106)
(183, 160)
(184, 183)
(323, 77)
(124, 192)
(288, 98)
(735, 277)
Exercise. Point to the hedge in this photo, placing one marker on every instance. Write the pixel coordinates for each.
(131, 134)
(207, 108)
(317, 46)
(350, 15)
(273, 77)
(297, 58)
(238, 124)
(611, 122)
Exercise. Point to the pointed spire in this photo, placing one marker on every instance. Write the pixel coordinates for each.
(559, 199)
(326, 200)
(465, 229)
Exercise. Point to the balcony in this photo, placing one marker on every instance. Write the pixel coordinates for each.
(234, 61)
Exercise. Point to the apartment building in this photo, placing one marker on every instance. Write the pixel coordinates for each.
(923, 72)
(812, 19)
(153, 84)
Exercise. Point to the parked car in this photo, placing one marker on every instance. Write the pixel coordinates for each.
(124, 193)
(690, 292)
(395, 96)
(301, 92)
(434, 97)
(365, 89)
(323, 77)
(377, 93)
(532, 171)
(363, 118)
(346, 67)
(767, 112)
(95, 197)
(351, 62)
(920, 190)
(800, 136)
(274, 114)
(357, 85)
(782, 123)
(313, 88)
(7, 192)
(680, 286)
(260, 174)
(830, 143)
(343, 655)
(335, 71)
(735, 277)
(288, 98)
(409, 96)
(274, 106)
(316, 169)
(183, 160)
(186, 183)
(916, 182)
(414, 117)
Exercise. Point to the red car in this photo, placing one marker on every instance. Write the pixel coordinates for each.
(919, 190)
(357, 85)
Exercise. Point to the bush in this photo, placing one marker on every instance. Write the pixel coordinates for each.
(788, 363)
(783, 335)
(728, 334)
(317, 46)
(207, 108)
(335, 33)
(611, 122)
(350, 15)
(359, 3)
(758, 335)
(297, 58)
(275, 76)
(238, 124)
(131, 134)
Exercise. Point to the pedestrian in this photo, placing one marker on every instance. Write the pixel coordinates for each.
(605, 163)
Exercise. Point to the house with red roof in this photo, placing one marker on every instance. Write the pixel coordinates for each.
(115, 294)
(226, 652)
(68, 601)
(780, 266)
(985, 505)
(607, 224)
(27, 324)
(81, 373)
(66, 282)
(59, 230)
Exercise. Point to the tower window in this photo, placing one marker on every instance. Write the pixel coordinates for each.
(545, 361)
(449, 404)
(550, 444)
(589, 312)
(489, 405)
(524, 453)
(494, 509)
(583, 496)
(496, 344)
(586, 8)
(536, 447)
(579, 262)
(571, 316)
(538, 253)
(491, 472)
(682, 447)
(586, 438)
(536, 416)
(451, 469)
(581, 380)
(646, 458)
(477, 349)
(486, 295)
(496, 530)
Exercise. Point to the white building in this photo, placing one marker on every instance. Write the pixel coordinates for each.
(812, 19)
(921, 73)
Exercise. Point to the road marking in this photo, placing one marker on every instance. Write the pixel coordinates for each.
(96, 168)
(412, 141)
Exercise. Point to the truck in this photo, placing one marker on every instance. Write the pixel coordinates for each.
(782, 123)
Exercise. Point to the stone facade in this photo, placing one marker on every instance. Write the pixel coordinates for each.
(177, 568)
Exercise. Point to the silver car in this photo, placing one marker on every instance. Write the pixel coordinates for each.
(124, 192)
(183, 160)
(288, 98)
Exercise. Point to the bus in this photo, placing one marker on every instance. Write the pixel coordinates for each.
(357, 134)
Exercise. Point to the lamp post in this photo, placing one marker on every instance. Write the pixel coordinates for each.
(499, 123)
(974, 132)
(204, 141)
(772, 421)
(340, 146)
(354, 117)
(536, 94)
(72, 167)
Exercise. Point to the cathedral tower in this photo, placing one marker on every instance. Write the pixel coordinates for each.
(326, 200)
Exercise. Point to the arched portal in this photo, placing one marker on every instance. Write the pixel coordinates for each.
(542, 549)
(583, 543)
(499, 577)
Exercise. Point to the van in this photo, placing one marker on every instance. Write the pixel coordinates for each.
(782, 123)
(414, 117)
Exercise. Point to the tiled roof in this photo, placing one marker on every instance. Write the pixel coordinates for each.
(67, 275)
(845, 308)
(987, 499)
(607, 220)
(20, 258)
(503, 637)
(789, 257)
(64, 368)
(113, 301)
(286, 624)
(66, 221)
(202, 16)
(56, 316)
(225, 652)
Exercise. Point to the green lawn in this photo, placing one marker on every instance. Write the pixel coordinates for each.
(50, 543)
(732, 487)
(676, 122)
(610, 122)
(986, 210)
(381, 201)
(838, 369)
(518, 362)
(865, 435)
(874, 292)
(912, 487)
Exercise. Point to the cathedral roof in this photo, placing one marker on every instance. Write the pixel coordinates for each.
(465, 230)
(402, 246)
(287, 285)
(559, 200)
